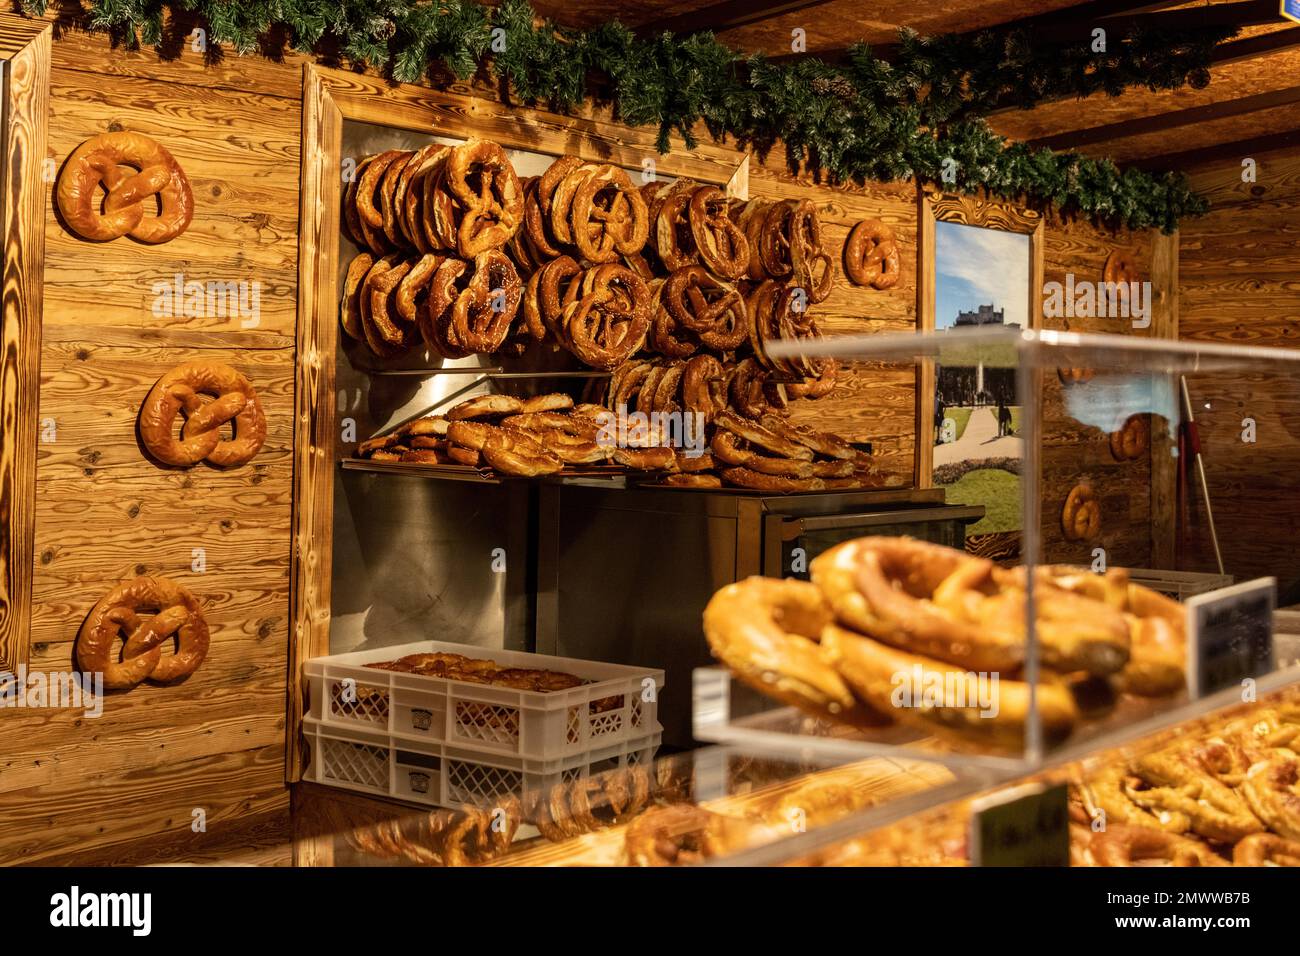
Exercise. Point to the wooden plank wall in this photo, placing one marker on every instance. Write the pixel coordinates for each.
(73, 786)
(123, 787)
(1239, 266)
(1073, 450)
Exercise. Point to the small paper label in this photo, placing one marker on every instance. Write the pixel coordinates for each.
(1025, 826)
(1230, 635)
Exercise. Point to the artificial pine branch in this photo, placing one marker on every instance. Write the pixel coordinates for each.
(919, 116)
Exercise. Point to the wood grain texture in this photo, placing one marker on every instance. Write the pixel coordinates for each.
(240, 153)
(121, 787)
(27, 94)
(1237, 284)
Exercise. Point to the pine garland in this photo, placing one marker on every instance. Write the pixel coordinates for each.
(917, 117)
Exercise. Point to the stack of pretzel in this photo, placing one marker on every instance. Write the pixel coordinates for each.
(589, 804)
(1232, 793)
(881, 607)
(432, 224)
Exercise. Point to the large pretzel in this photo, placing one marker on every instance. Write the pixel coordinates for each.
(1119, 268)
(483, 312)
(1132, 439)
(100, 161)
(1081, 515)
(611, 318)
(712, 309)
(480, 176)
(608, 216)
(178, 615)
(721, 243)
(871, 255)
(234, 399)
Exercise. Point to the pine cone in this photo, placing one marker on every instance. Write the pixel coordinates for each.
(836, 85)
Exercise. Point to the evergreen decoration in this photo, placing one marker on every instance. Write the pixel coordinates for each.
(917, 116)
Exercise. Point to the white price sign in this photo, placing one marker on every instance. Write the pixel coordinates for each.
(1230, 635)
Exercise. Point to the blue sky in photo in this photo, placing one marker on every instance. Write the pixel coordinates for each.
(974, 266)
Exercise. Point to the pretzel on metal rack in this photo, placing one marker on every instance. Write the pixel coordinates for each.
(234, 400)
(721, 244)
(486, 307)
(610, 319)
(178, 615)
(674, 238)
(480, 177)
(713, 310)
(608, 216)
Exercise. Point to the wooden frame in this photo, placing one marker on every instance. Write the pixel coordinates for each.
(329, 98)
(25, 45)
(970, 211)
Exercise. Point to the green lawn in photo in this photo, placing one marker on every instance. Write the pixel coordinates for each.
(960, 417)
(997, 490)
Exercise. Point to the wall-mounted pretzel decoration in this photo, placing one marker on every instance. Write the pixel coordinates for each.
(132, 168)
(234, 399)
(176, 614)
(1120, 267)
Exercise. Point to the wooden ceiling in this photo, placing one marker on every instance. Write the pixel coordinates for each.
(1251, 105)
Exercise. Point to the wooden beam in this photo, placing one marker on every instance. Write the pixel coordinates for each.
(1238, 149)
(1055, 27)
(1170, 120)
(727, 15)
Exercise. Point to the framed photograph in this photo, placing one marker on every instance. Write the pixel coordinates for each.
(981, 266)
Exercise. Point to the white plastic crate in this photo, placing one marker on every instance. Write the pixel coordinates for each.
(448, 776)
(412, 709)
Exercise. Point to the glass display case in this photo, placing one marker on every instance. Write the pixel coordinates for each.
(1123, 579)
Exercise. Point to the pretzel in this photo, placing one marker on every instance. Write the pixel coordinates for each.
(756, 434)
(368, 184)
(870, 668)
(434, 320)
(667, 336)
(1157, 642)
(823, 443)
(385, 336)
(1119, 268)
(721, 244)
(1178, 784)
(608, 216)
(712, 309)
(727, 448)
(1081, 515)
(387, 191)
(945, 604)
(749, 478)
(699, 480)
(485, 406)
(674, 237)
(699, 376)
(1120, 845)
(178, 616)
(411, 194)
(101, 161)
(786, 224)
(508, 451)
(871, 255)
(1074, 376)
(350, 309)
(485, 308)
(611, 319)
(1265, 849)
(654, 458)
(1272, 791)
(813, 269)
(235, 400)
(481, 178)
(684, 834)
(1132, 439)
(414, 285)
(750, 221)
(816, 387)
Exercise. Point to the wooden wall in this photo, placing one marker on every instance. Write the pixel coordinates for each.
(1074, 450)
(123, 787)
(77, 786)
(1240, 284)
